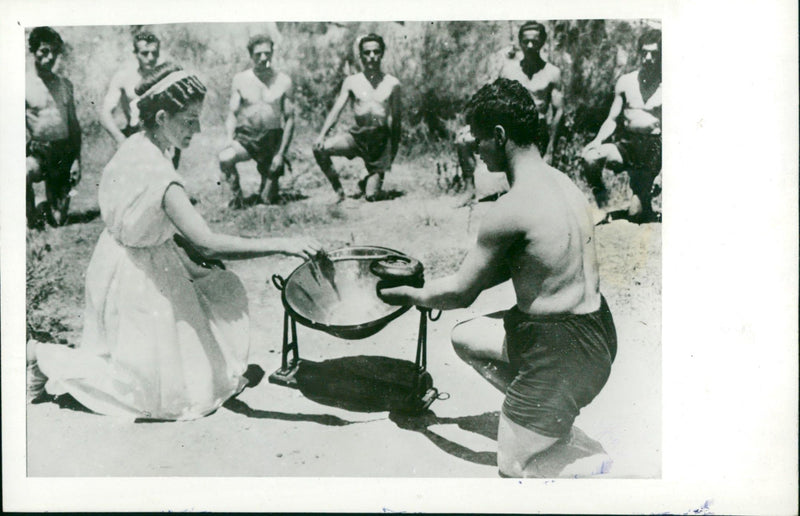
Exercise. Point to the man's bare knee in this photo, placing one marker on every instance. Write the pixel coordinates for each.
(34, 170)
(517, 446)
(227, 159)
(462, 339)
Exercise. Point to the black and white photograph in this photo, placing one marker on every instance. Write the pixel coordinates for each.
(356, 250)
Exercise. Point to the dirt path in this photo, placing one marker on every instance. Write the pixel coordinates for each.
(276, 431)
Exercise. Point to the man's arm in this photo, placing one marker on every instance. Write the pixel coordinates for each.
(610, 125)
(233, 108)
(287, 107)
(110, 102)
(333, 116)
(557, 102)
(74, 134)
(395, 112)
(484, 267)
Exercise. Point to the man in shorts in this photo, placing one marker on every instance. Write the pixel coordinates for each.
(552, 351)
(543, 82)
(260, 123)
(53, 135)
(637, 101)
(375, 138)
(121, 95)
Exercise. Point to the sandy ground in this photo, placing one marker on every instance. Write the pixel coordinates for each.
(340, 424)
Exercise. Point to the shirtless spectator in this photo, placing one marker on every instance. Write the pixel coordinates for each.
(52, 133)
(543, 82)
(260, 123)
(121, 96)
(637, 102)
(375, 98)
(551, 353)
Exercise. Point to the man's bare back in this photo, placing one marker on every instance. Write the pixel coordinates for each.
(261, 99)
(553, 264)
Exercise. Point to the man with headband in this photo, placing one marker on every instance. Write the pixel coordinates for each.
(543, 82)
(375, 97)
(637, 102)
(260, 123)
(53, 135)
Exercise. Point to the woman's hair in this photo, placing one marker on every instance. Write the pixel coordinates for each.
(169, 88)
(507, 103)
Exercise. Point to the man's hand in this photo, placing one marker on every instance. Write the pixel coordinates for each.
(399, 296)
(277, 163)
(304, 247)
(75, 173)
(548, 157)
(319, 142)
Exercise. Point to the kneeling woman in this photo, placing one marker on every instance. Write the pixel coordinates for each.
(165, 336)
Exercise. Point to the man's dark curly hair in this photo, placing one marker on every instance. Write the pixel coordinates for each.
(372, 37)
(649, 37)
(532, 25)
(41, 35)
(507, 103)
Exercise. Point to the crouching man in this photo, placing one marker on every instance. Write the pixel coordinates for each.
(551, 353)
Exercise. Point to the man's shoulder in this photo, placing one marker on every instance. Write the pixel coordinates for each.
(552, 70)
(243, 75)
(283, 77)
(627, 79)
(392, 80)
(358, 76)
(126, 73)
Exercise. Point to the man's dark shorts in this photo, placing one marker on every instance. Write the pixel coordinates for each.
(373, 145)
(641, 155)
(55, 158)
(261, 145)
(641, 151)
(562, 361)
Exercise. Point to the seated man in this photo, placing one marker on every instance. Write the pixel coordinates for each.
(375, 97)
(637, 100)
(53, 136)
(552, 351)
(260, 123)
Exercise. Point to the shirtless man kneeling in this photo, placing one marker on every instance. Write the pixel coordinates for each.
(53, 135)
(637, 100)
(260, 123)
(375, 138)
(552, 352)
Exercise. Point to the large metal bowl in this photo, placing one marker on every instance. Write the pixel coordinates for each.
(339, 296)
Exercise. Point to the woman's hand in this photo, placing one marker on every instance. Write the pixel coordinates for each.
(304, 247)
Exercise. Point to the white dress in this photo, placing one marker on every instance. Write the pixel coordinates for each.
(163, 337)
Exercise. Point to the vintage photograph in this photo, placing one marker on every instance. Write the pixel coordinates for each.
(344, 249)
